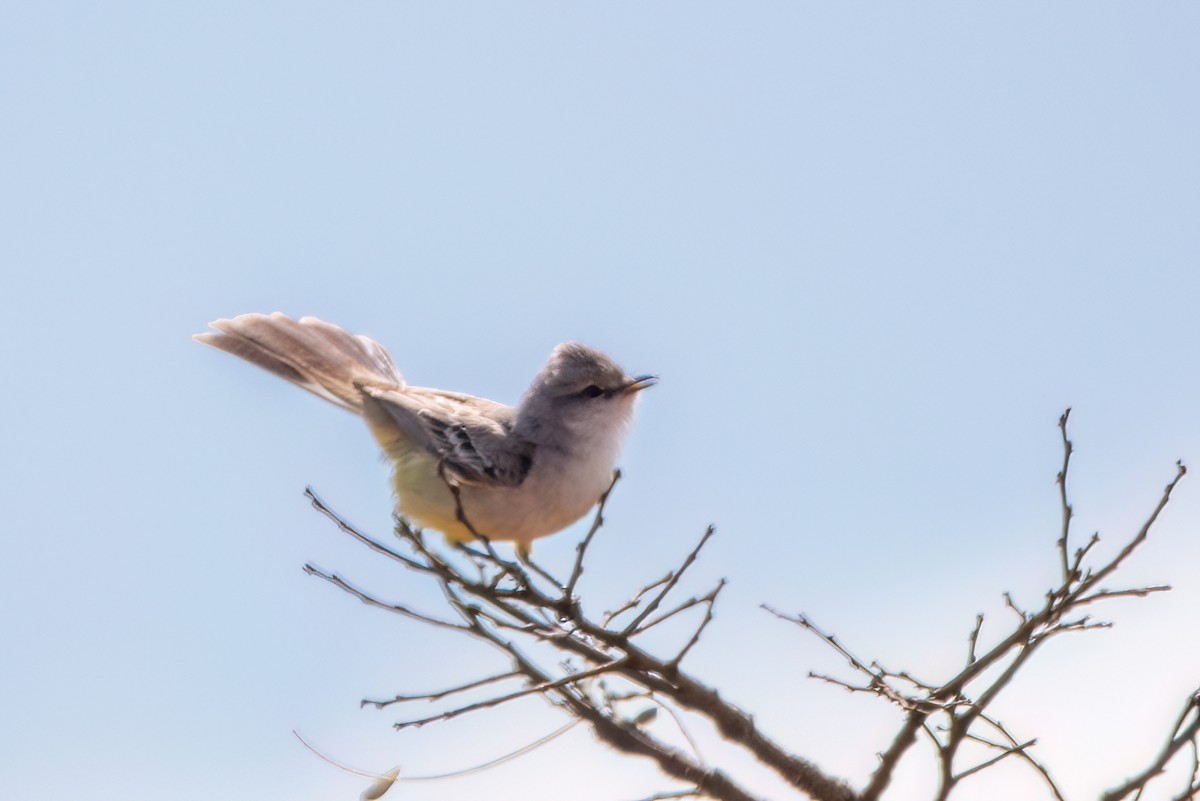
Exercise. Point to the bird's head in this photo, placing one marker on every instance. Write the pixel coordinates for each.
(582, 391)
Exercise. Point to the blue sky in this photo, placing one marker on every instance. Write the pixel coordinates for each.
(873, 250)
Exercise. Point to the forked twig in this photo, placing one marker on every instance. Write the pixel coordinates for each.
(547, 613)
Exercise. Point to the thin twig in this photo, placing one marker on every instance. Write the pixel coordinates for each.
(692, 793)
(1140, 537)
(683, 730)
(711, 601)
(537, 689)
(581, 548)
(830, 639)
(973, 638)
(1138, 592)
(1006, 752)
(1067, 573)
(399, 609)
(670, 585)
(707, 598)
(1181, 735)
(1023, 755)
(345, 527)
(434, 696)
(633, 602)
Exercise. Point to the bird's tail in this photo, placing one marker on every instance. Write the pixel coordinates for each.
(326, 360)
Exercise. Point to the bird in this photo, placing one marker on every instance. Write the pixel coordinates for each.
(462, 465)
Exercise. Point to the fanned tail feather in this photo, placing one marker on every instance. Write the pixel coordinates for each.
(322, 358)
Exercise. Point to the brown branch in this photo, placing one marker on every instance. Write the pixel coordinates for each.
(710, 601)
(973, 638)
(346, 528)
(434, 696)
(829, 639)
(372, 601)
(582, 547)
(1005, 752)
(670, 585)
(1193, 787)
(626, 738)
(460, 514)
(1058, 603)
(1181, 735)
(633, 602)
(889, 759)
(537, 689)
(1067, 573)
(523, 557)
(553, 615)
(1023, 755)
(1143, 533)
(1138, 592)
(526, 606)
(692, 793)
(707, 598)
(1081, 553)
(1078, 588)
(687, 735)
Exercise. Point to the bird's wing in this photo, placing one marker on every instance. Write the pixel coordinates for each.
(473, 438)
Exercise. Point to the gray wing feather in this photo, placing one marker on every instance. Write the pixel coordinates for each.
(473, 438)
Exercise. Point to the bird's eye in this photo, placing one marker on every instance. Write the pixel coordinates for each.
(592, 392)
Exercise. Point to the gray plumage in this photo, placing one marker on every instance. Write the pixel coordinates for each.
(522, 472)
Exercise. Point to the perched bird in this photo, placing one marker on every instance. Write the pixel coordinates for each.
(520, 472)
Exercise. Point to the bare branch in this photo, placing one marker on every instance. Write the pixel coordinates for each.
(692, 793)
(434, 696)
(626, 738)
(633, 602)
(829, 639)
(1005, 752)
(1131, 546)
(710, 600)
(507, 604)
(890, 758)
(1184, 732)
(1024, 755)
(973, 638)
(1192, 787)
(670, 585)
(707, 598)
(372, 601)
(582, 547)
(1078, 588)
(1067, 574)
(1138, 592)
(538, 689)
(345, 527)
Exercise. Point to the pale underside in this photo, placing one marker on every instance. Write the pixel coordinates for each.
(546, 500)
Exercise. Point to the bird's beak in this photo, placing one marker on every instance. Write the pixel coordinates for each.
(640, 383)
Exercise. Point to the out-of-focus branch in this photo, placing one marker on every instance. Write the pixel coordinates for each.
(1186, 731)
(509, 604)
(523, 611)
(1010, 742)
(961, 700)
(439, 694)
